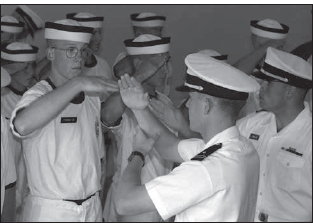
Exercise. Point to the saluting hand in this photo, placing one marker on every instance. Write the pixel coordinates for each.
(132, 93)
(163, 108)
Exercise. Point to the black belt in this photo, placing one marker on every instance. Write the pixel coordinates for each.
(79, 202)
(10, 185)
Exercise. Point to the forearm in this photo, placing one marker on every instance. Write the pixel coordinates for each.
(132, 197)
(248, 62)
(44, 109)
(149, 123)
(166, 142)
(112, 109)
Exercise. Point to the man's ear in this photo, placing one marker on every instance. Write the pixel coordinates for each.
(50, 53)
(137, 62)
(208, 105)
(290, 90)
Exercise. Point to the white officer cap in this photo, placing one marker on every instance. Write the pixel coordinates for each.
(18, 52)
(269, 28)
(9, 24)
(147, 44)
(216, 78)
(68, 29)
(86, 19)
(214, 54)
(147, 19)
(287, 68)
(32, 20)
(5, 77)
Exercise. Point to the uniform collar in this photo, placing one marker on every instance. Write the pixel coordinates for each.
(15, 91)
(301, 120)
(223, 136)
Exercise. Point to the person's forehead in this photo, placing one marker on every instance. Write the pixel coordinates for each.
(277, 84)
(5, 35)
(17, 66)
(148, 30)
(68, 43)
(150, 56)
(260, 38)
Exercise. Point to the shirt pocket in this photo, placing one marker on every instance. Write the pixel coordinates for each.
(287, 171)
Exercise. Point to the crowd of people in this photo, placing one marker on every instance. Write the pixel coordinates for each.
(82, 140)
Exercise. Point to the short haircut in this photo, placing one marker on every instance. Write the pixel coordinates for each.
(227, 106)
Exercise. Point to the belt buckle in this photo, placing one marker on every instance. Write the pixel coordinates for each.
(263, 217)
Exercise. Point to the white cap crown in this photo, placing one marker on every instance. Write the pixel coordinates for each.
(68, 29)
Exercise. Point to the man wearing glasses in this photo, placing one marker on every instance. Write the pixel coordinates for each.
(58, 120)
(282, 135)
(149, 56)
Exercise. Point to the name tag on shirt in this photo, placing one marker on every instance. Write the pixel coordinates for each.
(68, 119)
(292, 150)
(254, 136)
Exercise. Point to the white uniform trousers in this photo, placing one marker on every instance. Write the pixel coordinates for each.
(37, 209)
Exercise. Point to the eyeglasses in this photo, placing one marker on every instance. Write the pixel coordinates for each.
(72, 52)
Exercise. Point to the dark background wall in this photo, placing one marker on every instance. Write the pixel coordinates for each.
(224, 28)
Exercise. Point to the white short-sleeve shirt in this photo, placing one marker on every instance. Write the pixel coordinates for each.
(8, 103)
(63, 158)
(222, 187)
(285, 187)
(5, 147)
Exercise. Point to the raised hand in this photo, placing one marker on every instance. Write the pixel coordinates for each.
(142, 142)
(163, 108)
(132, 93)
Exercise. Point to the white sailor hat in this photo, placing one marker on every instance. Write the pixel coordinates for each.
(216, 78)
(32, 20)
(147, 19)
(18, 52)
(9, 24)
(287, 68)
(5, 77)
(269, 28)
(214, 54)
(86, 19)
(147, 44)
(68, 29)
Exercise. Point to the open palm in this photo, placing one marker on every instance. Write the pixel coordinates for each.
(132, 93)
